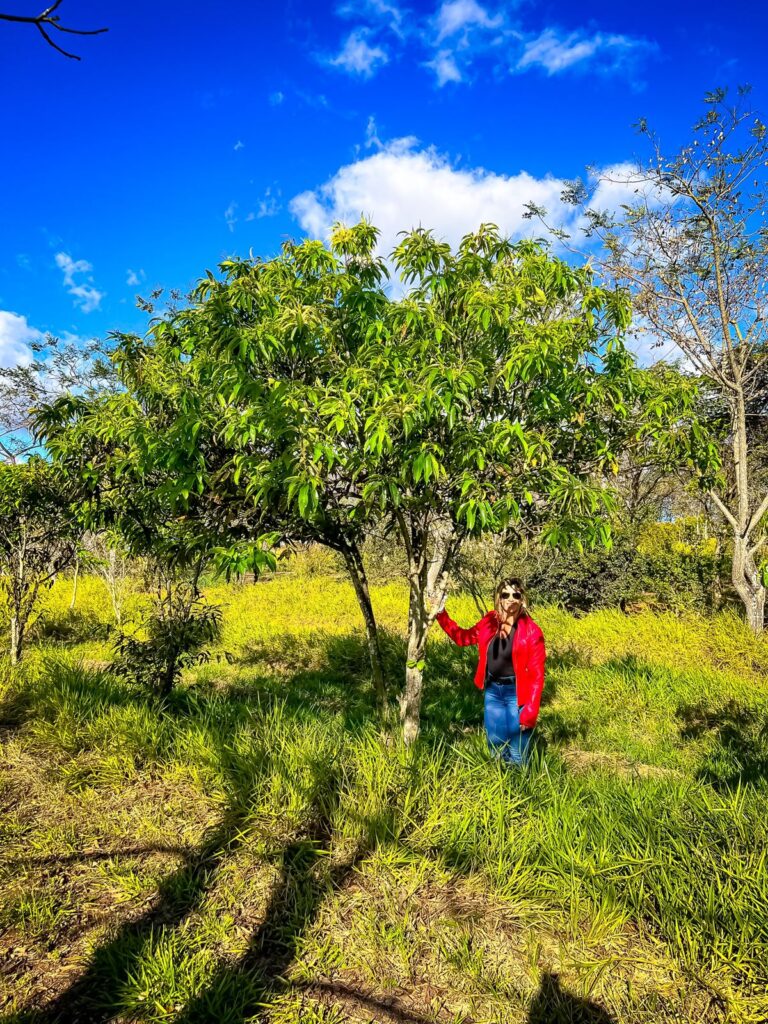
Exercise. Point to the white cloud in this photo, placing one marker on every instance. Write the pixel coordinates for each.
(276, 98)
(357, 57)
(445, 67)
(380, 11)
(403, 186)
(457, 15)
(230, 215)
(15, 337)
(556, 52)
(86, 296)
(135, 278)
(238, 145)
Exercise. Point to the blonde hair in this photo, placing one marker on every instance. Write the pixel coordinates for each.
(512, 582)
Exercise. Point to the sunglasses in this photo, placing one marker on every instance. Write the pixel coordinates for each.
(505, 595)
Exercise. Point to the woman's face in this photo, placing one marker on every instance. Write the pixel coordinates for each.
(510, 598)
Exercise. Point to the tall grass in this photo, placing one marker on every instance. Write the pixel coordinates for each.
(253, 848)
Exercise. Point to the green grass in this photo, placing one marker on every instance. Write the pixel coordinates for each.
(253, 849)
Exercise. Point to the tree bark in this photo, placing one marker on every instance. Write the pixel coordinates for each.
(169, 674)
(748, 584)
(745, 575)
(112, 584)
(117, 607)
(17, 639)
(354, 562)
(428, 580)
(74, 585)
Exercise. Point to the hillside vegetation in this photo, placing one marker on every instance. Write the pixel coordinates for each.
(254, 849)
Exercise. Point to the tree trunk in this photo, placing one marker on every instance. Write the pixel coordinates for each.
(74, 585)
(428, 579)
(746, 578)
(17, 639)
(112, 584)
(410, 701)
(354, 562)
(748, 584)
(169, 674)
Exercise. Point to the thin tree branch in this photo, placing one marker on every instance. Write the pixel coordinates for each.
(724, 509)
(48, 18)
(757, 515)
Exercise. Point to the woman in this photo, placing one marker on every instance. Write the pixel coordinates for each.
(510, 668)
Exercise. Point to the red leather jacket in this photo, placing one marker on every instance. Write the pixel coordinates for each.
(528, 657)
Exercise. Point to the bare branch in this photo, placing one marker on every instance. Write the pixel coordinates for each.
(51, 20)
(724, 509)
(757, 515)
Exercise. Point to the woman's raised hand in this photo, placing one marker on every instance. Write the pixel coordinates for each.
(434, 605)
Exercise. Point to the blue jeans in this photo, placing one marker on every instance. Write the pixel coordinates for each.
(502, 724)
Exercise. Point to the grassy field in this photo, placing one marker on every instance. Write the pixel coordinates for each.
(255, 850)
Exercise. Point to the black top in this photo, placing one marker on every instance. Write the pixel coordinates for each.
(499, 660)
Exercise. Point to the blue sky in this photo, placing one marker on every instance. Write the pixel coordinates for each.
(193, 131)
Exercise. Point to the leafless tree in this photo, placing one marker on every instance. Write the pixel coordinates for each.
(113, 564)
(54, 367)
(692, 245)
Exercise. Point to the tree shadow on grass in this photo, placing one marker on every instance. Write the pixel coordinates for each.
(94, 996)
(387, 1008)
(740, 749)
(339, 682)
(71, 626)
(552, 1004)
(239, 990)
(319, 673)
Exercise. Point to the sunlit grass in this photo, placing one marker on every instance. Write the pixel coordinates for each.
(189, 855)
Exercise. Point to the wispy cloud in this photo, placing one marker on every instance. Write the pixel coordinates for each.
(230, 215)
(460, 34)
(135, 278)
(445, 67)
(376, 12)
(456, 16)
(86, 295)
(276, 98)
(372, 134)
(238, 145)
(357, 57)
(317, 100)
(269, 204)
(556, 52)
